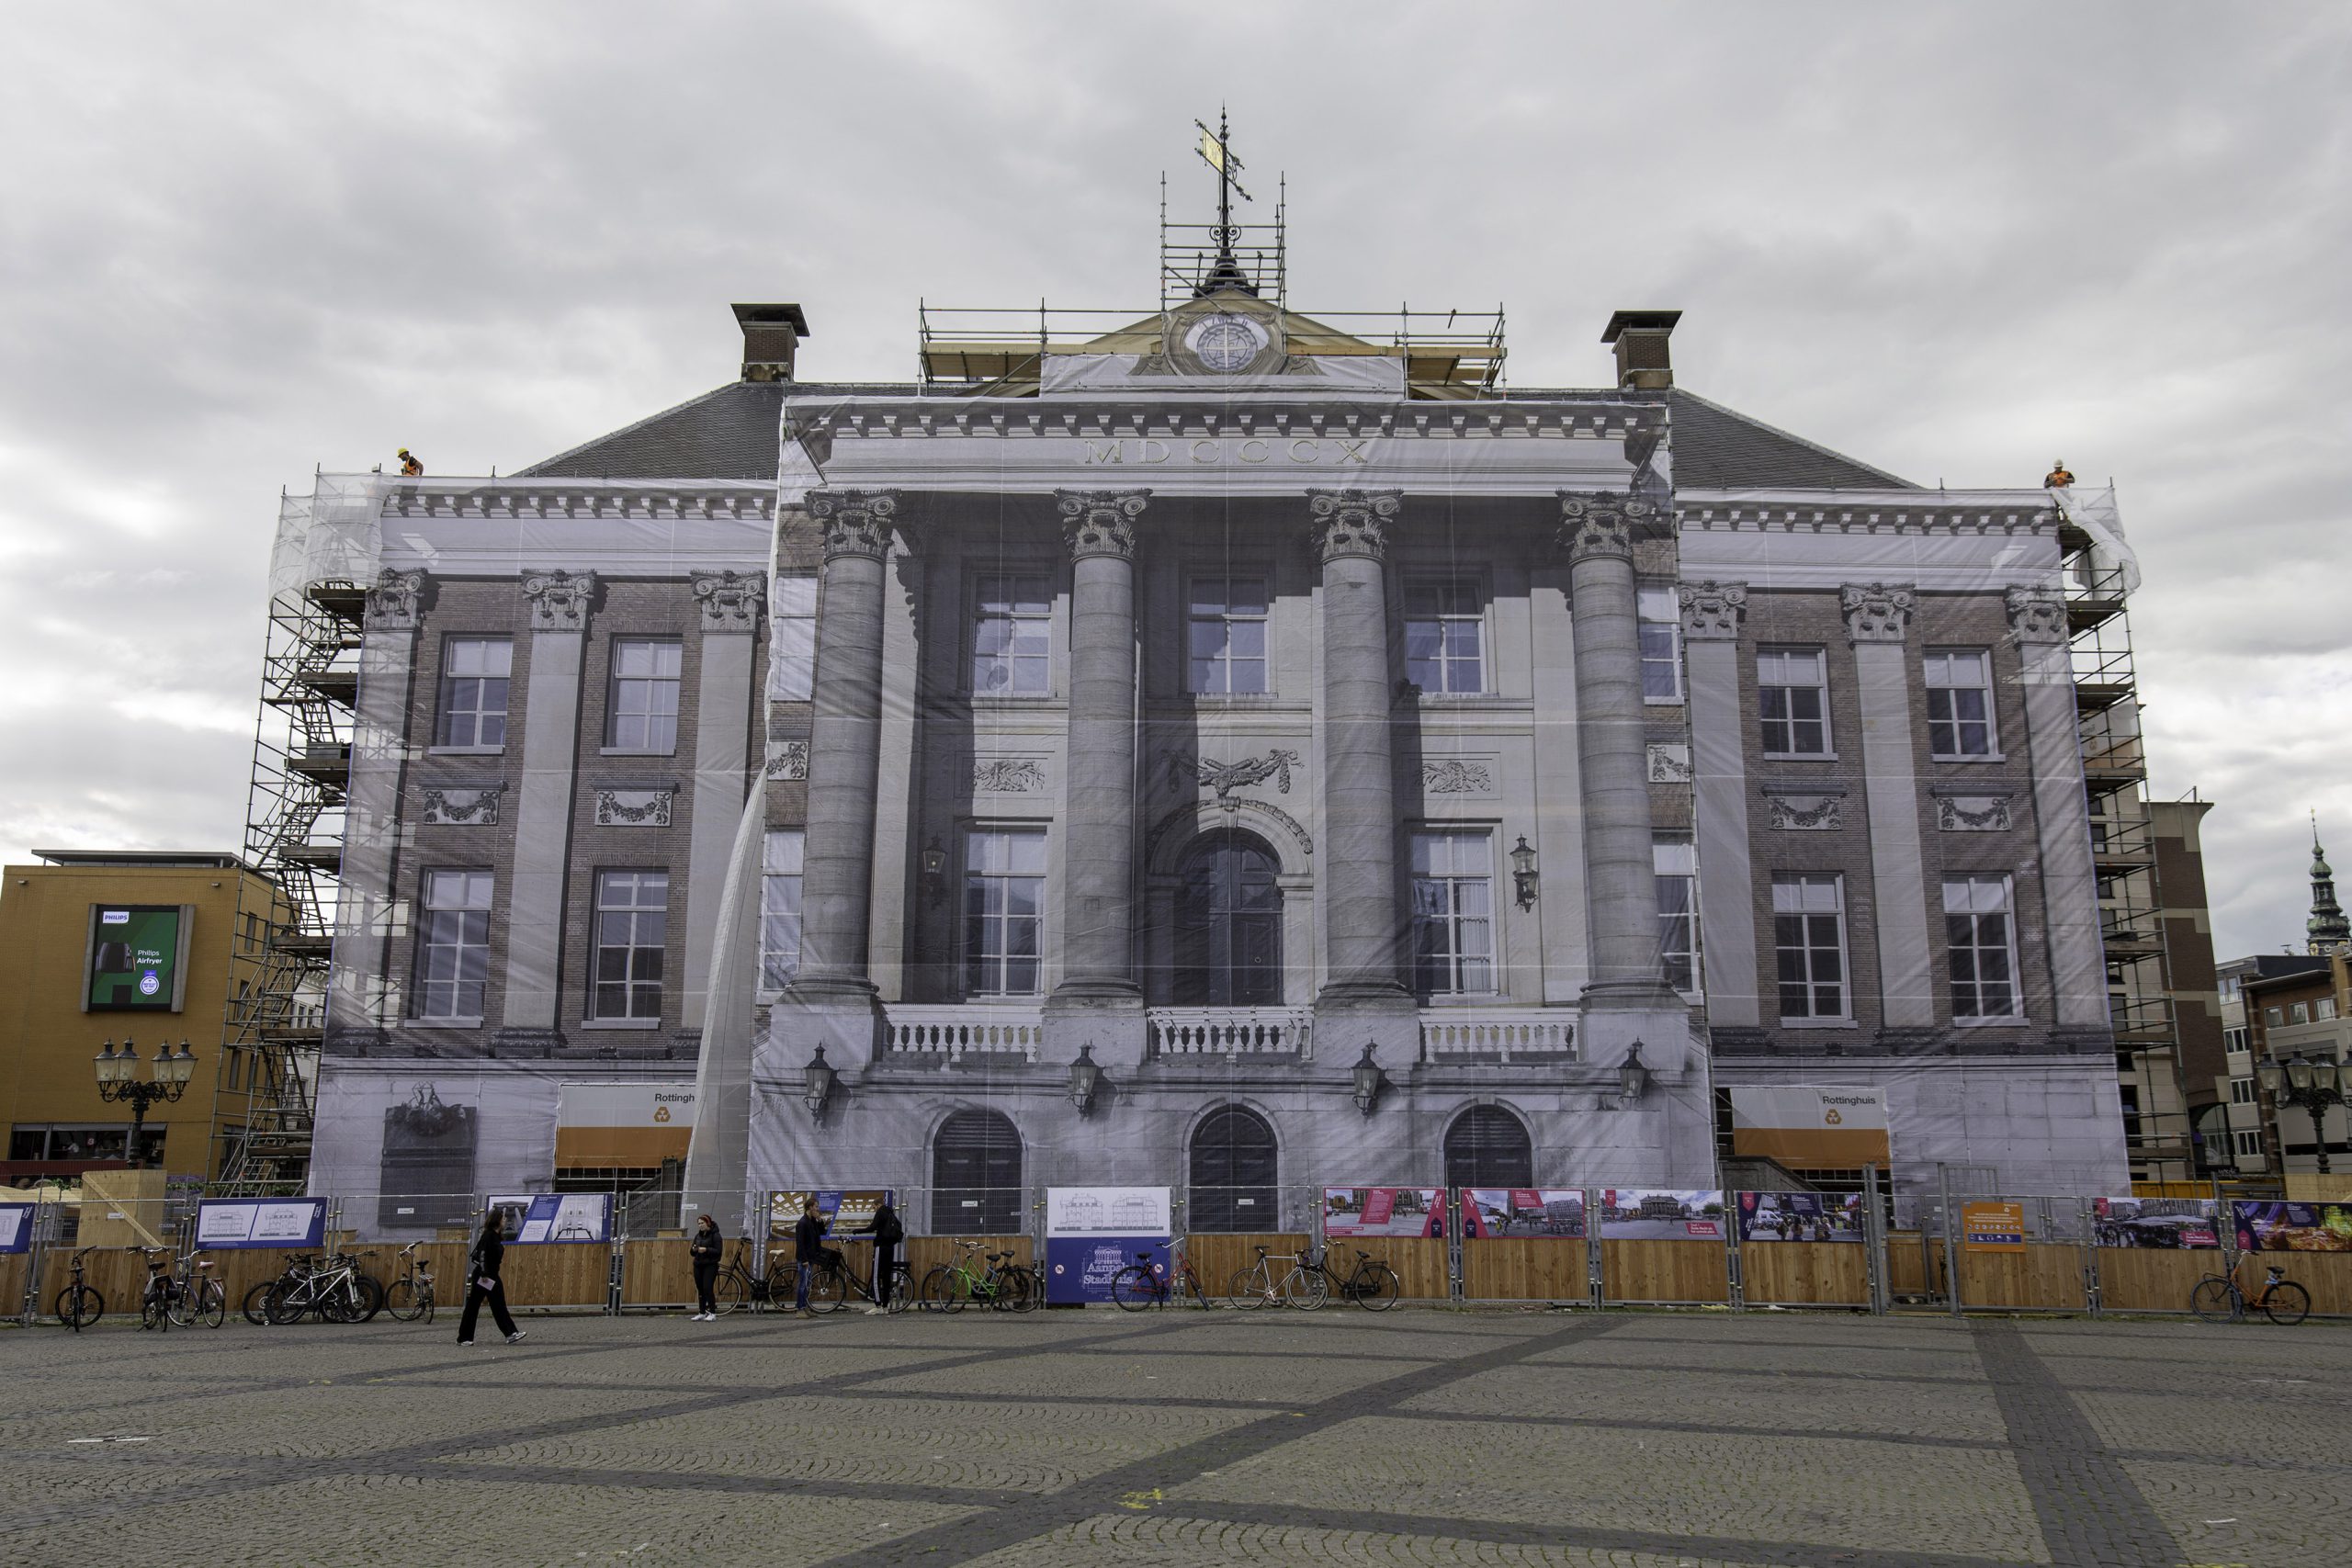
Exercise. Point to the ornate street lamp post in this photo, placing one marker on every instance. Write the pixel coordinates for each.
(120, 1083)
(2313, 1083)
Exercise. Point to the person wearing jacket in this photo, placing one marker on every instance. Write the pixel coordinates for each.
(704, 1250)
(807, 1246)
(887, 1233)
(482, 1283)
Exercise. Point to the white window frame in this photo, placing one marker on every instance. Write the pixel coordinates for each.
(1447, 594)
(1936, 671)
(1675, 861)
(1014, 617)
(1808, 897)
(1444, 899)
(997, 865)
(1977, 897)
(1658, 624)
(792, 641)
(1228, 618)
(660, 733)
(497, 661)
(611, 910)
(2322, 1009)
(454, 904)
(2249, 1142)
(782, 853)
(2297, 1012)
(1775, 662)
(2241, 1091)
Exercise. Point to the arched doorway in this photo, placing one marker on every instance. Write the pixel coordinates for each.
(1234, 1164)
(1488, 1147)
(1229, 924)
(976, 1176)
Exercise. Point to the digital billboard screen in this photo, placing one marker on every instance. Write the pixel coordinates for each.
(135, 957)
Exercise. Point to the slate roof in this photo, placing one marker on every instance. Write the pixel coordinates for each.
(730, 433)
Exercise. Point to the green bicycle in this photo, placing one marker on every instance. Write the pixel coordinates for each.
(1006, 1285)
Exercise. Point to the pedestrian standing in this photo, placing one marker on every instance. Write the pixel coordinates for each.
(704, 1250)
(807, 1246)
(482, 1283)
(887, 1233)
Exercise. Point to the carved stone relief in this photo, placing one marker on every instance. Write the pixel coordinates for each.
(1806, 812)
(2035, 615)
(559, 599)
(730, 599)
(856, 522)
(1007, 776)
(1450, 775)
(1669, 762)
(473, 806)
(1972, 813)
(788, 760)
(634, 807)
(1101, 522)
(1711, 611)
(394, 600)
(1353, 521)
(1226, 777)
(1876, 611)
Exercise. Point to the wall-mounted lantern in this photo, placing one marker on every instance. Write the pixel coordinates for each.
(1369, 1081)
(1085, 1080)
(1632, 1076)
(1522, 873)
(818, 1081)
(934, 868)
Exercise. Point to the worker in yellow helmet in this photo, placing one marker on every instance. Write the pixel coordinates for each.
(410, 467)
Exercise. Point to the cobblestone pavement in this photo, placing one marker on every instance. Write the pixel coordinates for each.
(1638, 1440)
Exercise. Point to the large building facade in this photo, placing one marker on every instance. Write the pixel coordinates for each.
(1224, 751)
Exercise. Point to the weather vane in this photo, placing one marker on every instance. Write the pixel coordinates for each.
(1217, 153)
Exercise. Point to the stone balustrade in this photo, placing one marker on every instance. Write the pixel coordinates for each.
(962, 1029)
(1499, 1033)
(1232, 1032)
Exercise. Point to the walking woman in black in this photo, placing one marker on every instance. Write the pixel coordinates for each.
(704, 1250)
(482, 1283)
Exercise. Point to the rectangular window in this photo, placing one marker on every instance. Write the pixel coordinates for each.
(2273, 1016)
(2323, 1009)
(792, 650)
(2297, 1013)
(474, 674)
(1445, 636)
(1960, 702)
(632, 929)
(1793, 685)
(2241, 1091)
(1809, 930)
(1226, 634)
(1004, 911)
(2250, 1143)
(780, 909)
(1453, 923)
(644, 715)
(453, 944)
(2235, 1039)
(1983, 945)
(1011, 627)
(2229, 988)
(1678, 914)
(1660, 631)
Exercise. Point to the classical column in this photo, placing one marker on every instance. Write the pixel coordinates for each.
(1620, 891)
(1712, 612)
(731, 602)
(559, 603)
(1099, 811)
(844, 744)
(1359, 861)
(362, 998)
(2069, 882)
(1878, 625)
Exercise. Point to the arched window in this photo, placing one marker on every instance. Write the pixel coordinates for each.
(1233, 1174)
(1230, 924)
(1487, 1146)
(976, 1176)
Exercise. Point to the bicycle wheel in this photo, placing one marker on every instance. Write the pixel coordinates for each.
(256, 1302)
(1191, 1282)
(284, 1304)
(151, 1311)
(827, 1289)
(369, 1293)
(1304, 1289)
(2287, 1303)
(1135, 1288)
(730, 1293)
(212, 1304)
(1247, 1289)
(1374, 1288)
(945, 1290)
(180, 1305)
(404, 1301)
(1023, 1289)
(2213, 1300)
(902, 1288)
(78, 1305)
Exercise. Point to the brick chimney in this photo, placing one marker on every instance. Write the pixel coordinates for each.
(772, 334)
(1640, 340)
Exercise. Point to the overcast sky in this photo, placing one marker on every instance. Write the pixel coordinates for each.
(239, 242)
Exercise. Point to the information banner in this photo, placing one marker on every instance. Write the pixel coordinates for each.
(1809, 1128)
(1527, 1212)
(1092, 1233)
(600, 1126)
(848, 1211)
(1800, 1216)
(16, 1227)
(2156, 1221)
(2293, 1228)
(135, 951)
(1656, 1214)
(1992, 1227)
(261, 1221)
(536, 1217)
(1384, 1210)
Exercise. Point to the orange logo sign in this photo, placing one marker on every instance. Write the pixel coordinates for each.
(1831, 1118)
(662, 1113)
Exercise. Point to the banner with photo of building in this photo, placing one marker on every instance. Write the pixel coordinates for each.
(2156, 1221)
(1384, 1210)
(1800, 1216)
(1523, 1212)
(2293, 1228)
(533, 1218)
(1651, 1213)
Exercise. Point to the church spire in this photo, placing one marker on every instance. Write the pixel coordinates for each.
(2327, 930)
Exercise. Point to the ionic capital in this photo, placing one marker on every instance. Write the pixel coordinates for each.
(730, 599)
(2035, 615)
(1711, 611)
(1100, 522)
(559, 599)
(1598, 524)
(395, 601)
(856, 522)
(1353, 521)
(1877, 611)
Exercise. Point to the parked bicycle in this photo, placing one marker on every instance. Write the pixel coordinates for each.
(257, 1302)
(172, 1297)
(335, 1291)
(738, 1286)
(1303, 1285)
(1144, 1283)
(410, 1297)
(1005, 1285)
(1371, 1284)
(834, 1278)
(2218, 1299)
(79, 1302)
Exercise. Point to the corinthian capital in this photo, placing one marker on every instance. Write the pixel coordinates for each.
(393, 601)
(1876, 611)
(1100, 522)
(559, 599)
(730, 599)
(856, 522)
(1711, 611)
(2035, 615)
(1353, 521)
(1601, 523)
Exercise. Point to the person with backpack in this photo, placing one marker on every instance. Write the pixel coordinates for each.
(704, 1251)
(808, 1249)
(482, 1283)
(887, 1233)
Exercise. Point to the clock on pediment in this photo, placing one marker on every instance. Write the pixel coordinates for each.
(1226, 343)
